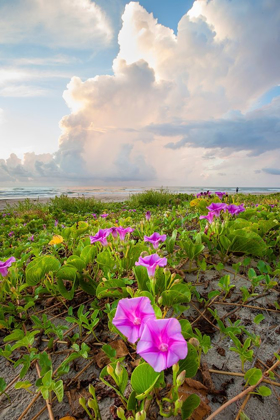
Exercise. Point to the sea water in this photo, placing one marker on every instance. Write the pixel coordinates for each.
(45, 192)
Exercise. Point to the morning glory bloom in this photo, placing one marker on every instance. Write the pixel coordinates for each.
(101, 237)
(11, 233)
(4, 265)
(148, 215)
(94, 215)
(232, 209)
(131, 316)
(216, 208)
(220, 194)
(162, 344)
(104, 215)
(210, 216)
(123, 231)
(155, 239)
(241, 208)
(151, 262)
(31, 238)
(114, 232)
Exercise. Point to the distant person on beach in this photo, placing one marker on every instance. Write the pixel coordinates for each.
(237, 190)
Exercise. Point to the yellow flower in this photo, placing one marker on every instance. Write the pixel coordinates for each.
(194, 202)
(57, 239)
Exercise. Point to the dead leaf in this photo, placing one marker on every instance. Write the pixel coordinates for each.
(195, 387)
(73, 397)
(102, 359)
(207, 380)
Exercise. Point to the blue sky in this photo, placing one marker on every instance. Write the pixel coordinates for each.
(214, 69)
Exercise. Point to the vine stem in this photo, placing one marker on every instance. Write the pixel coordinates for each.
(242, 394)
(48, 404)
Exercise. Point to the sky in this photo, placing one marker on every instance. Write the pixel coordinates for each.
(173, 92)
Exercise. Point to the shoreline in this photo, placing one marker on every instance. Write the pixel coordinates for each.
(45, 200)
(110, 198)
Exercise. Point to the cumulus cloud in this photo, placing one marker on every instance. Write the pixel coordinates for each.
(255, 132)
(177, 106)
(63, 23)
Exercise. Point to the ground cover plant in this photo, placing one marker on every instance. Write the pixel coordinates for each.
(164, 306)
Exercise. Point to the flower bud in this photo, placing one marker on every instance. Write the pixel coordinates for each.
(141, 415)
(194, 342)
(110, 370)
(181, 378)
(118, 369)
(178, 405)
(175, 368)
(120, 413)
(160, 300)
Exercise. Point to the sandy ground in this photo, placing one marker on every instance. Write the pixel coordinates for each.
(219, 358)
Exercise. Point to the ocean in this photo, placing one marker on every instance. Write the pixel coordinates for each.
(48, 192)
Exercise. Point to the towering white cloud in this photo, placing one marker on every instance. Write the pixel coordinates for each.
(171, 97)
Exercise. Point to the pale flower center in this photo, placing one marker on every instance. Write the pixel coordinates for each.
(163, 347)
(137, 321)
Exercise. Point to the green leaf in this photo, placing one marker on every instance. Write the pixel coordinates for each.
(187, 331)
(189, 405)
(88, 254)
(3, 385)
(77, 262)
(264, 391)
(132, 401)
(47, 379)
(252, 376)
(23, 385)
(259, 318)
(109, 351)
(143, 379)
(179, 293)
(67, 272)
(191, 363)
(39, 267)
(78, 228)
(142, 277)
(115, 288)
(59, 390)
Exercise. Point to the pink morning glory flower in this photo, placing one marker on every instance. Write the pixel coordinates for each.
(114, 232)
(216, 208)
(123, 231)
(151, 262)
(4, 265)
(162, 344)
(94, 215)
(241, 208)
(131, 316)
(104, 215)
(210, 216)
(155, 239)
(148, 215)
(31, 238)
(101, 237)
(233, 209)
(11, 233)
(220, 194)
